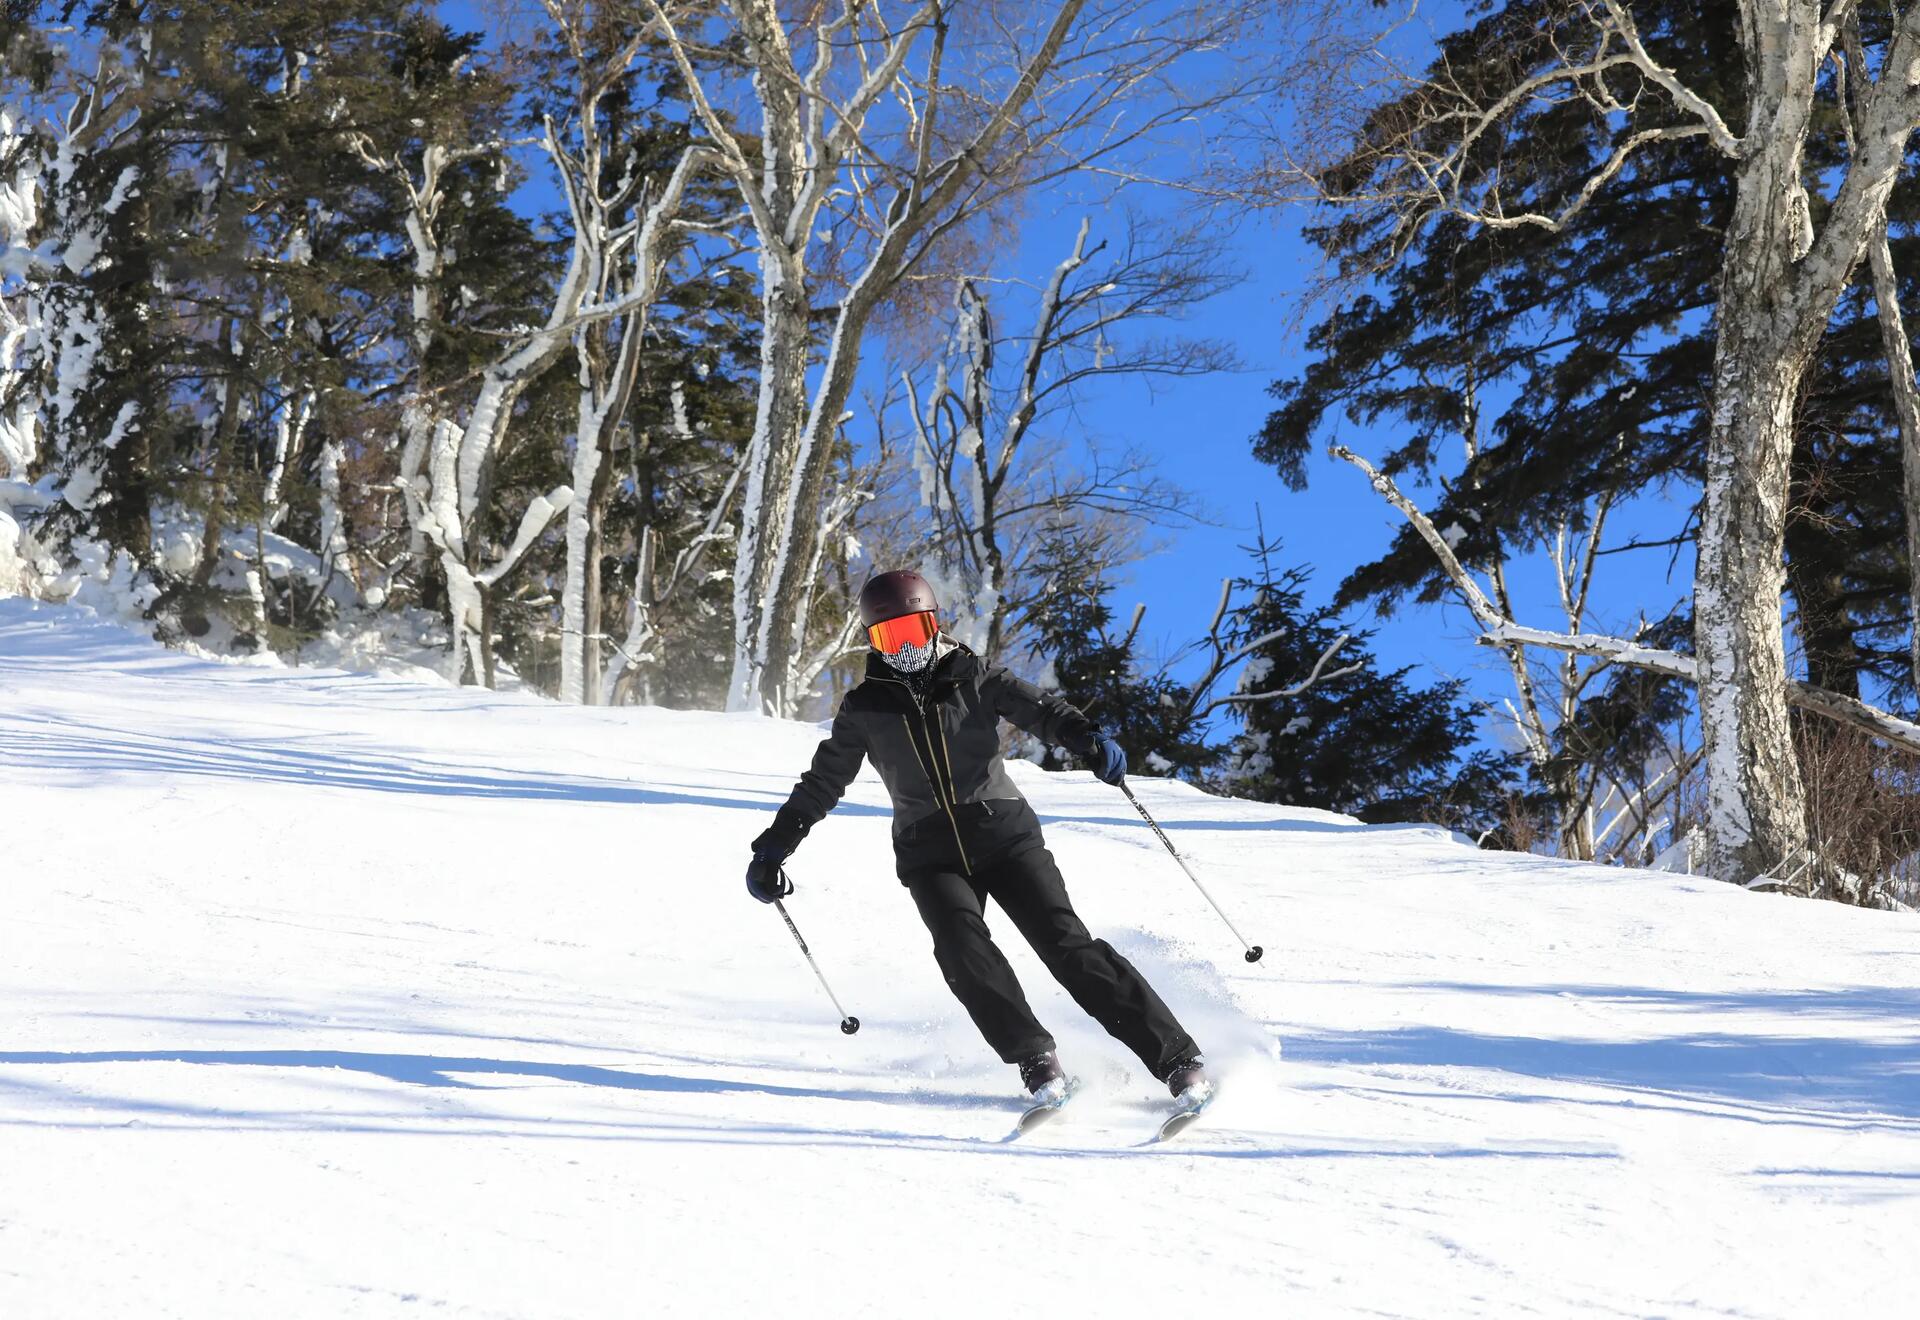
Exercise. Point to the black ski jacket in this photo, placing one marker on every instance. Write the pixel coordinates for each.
(936, 753)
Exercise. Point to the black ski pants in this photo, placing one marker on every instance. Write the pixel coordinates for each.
(1021, 876)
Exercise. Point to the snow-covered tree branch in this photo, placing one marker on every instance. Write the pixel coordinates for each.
(871, 136)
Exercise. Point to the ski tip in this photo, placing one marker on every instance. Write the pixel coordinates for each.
(1033, 1118)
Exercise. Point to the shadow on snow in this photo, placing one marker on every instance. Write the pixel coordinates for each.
(291, 761)
(436, 1071)
(1874, 1072)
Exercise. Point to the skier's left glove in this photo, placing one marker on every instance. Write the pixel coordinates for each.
(1109, 761)
(765, 880)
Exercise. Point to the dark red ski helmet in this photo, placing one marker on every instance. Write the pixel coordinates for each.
(891, 595)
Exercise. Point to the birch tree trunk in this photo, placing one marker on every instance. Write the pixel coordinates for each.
(1755, 807)
(1780, 281)
(765, 539)
(1906, 401)
(1778, 289)
(1756, 810)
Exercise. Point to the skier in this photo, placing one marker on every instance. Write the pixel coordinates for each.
(928, 716)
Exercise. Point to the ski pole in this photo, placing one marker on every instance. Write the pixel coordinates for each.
(848, 1022)
(1253, 950)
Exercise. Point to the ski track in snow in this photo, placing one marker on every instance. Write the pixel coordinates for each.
(343, 995)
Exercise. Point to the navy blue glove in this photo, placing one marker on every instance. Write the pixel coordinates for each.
(765, 880)
(1109, 762)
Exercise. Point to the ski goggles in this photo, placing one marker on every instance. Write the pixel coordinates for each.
(891, 636)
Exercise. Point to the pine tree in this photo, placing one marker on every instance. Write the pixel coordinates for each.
(109, 213)
(1149, 714)
(1361, 741)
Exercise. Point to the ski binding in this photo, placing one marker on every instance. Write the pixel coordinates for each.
(1191, 1104)
(1047, 1101)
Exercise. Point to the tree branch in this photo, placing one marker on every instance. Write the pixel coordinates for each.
(1503, 632)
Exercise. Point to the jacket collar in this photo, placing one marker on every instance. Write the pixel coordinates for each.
(956, 664)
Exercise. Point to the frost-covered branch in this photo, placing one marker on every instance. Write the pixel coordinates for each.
(1200, 703)
(651, 591)
(868, 197)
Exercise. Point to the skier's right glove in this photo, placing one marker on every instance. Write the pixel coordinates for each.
(765, 880)
(779, 839)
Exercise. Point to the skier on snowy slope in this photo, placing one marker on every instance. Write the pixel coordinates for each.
(928, 716)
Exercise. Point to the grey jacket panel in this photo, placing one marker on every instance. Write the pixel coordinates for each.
(933, 751)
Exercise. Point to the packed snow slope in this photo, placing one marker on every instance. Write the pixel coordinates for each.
(331, 995)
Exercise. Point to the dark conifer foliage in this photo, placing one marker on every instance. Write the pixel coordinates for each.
(1149, 713)
(1587, 353)
(1355, 739)
(1368, 742)
(221, 407)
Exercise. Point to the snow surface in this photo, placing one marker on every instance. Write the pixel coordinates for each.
(338, 995)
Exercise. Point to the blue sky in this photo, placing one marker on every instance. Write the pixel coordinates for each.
(1203, 428)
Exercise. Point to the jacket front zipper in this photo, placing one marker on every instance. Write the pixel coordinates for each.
(930, 767)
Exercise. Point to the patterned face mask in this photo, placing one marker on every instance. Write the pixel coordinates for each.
(912, 659)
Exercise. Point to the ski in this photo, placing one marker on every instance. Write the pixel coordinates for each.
(1189, 1111)
(1048, 1101)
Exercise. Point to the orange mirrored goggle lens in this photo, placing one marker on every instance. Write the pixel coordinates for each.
(890, 635)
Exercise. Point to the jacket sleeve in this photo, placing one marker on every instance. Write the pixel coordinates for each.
(835, 762)
(1041, 714)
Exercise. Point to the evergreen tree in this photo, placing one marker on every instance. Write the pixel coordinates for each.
(230, 282)
(292, 289)
(1150, 714)
(1354, 739)
(1361, 741)
(109, 214)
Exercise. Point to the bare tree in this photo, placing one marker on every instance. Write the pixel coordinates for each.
(985, 488)
(656, 586)
(622, 229)
(1223, 656)
(1544, 719)
(884, 128)
(1438, 154)
(446, 465)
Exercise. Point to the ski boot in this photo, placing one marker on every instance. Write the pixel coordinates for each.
(1044, 1079)
(1189, 1083)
